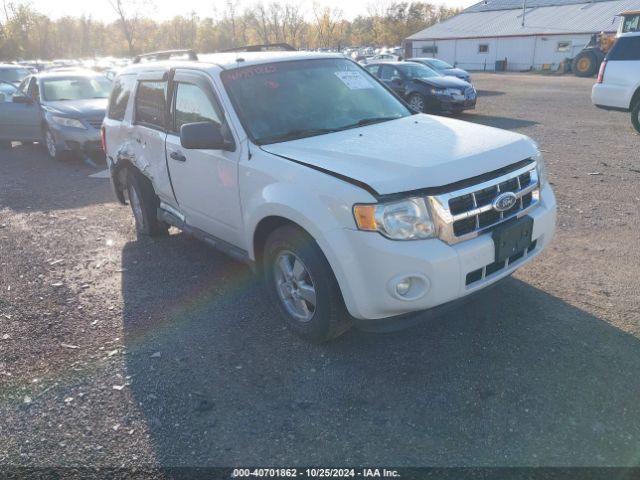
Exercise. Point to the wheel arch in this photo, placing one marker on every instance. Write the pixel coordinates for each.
(635, 98)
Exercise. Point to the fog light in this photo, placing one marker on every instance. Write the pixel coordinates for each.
(403, 286)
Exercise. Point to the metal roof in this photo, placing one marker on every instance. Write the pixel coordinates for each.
(489, 5)
(569, 17)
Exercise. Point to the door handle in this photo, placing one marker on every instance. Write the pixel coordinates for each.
(178, 157)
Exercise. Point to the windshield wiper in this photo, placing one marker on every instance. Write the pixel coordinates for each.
(296, 134)
(368, 121)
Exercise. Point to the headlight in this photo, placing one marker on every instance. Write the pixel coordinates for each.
(542, 170)
(68, 122)
(437, 91)
(404, 220)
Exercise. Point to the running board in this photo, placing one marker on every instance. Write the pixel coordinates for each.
(177, 220)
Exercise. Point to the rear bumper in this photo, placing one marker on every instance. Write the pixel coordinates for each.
(610, 97)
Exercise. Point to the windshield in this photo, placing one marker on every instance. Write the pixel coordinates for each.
(288, 100)
(75, 88)
(439, 64)
(13, 75)
(418, 71)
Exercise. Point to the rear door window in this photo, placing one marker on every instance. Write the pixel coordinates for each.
(151, 104)
(625, 49)
(122, 88)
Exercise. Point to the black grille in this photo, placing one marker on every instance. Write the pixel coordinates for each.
(465, 203)
(495, 267)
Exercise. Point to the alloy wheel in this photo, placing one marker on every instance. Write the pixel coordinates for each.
(136, 206)
(51, 144)
(295, 286)
(417, 103)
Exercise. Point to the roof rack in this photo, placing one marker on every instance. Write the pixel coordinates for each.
(166, 55)
(269, 47)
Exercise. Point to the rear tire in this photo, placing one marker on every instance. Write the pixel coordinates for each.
(308, 297)
(585, 64)
(635, 116)
(144, 205)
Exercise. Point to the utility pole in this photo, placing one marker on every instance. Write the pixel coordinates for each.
(524, 11)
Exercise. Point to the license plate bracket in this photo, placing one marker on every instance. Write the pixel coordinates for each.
(512, 237)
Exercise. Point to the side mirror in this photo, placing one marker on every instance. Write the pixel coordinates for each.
(203, 136)
(22, 99)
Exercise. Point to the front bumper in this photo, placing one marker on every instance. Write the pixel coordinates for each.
(369, 265)
(75, 139)
(451, 105)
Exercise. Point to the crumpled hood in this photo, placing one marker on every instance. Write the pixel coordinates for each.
(445, 82)
(455, 72)
(410, 153)
(89, 108)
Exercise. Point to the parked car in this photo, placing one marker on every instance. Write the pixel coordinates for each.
(618, 85)
(63, 110)
(7, 91)
(443, 68)
(425, 89)
(13, 73)
(350, 206)
(382, 57)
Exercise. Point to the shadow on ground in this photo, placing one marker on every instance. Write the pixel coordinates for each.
(31, 181)
(506, 123)
(490, 93)
(518, 378)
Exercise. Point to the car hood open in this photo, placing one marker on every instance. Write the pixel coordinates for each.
(411, 153)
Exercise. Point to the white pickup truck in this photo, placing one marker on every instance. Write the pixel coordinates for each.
(618, 85)
(351, 206)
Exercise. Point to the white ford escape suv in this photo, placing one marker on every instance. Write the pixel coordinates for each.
(351, 206)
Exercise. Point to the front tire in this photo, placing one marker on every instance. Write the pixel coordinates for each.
(301, 283)
(635, 116)
(144, 204)
(50, 145)
(418, 102)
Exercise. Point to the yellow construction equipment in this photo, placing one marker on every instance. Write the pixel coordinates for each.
(587, 62)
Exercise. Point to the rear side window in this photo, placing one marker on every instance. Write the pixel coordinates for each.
(626, 48)
(122, 88)
(151, 104)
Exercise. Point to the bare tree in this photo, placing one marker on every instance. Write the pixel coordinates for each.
(129, 13)
(327, 25)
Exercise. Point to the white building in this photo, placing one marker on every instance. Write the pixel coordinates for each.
(539, 36)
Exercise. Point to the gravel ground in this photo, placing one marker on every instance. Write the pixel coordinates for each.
(117, 352)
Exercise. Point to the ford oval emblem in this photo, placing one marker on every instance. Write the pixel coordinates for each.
(505, 201)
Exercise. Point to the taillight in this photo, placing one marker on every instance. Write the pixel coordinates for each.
(603, 67)
(103, 136)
